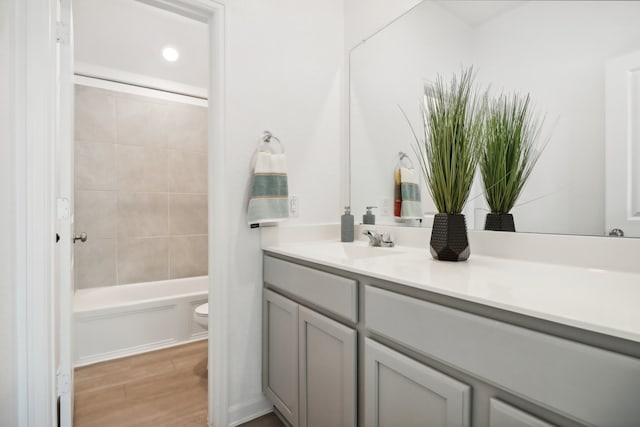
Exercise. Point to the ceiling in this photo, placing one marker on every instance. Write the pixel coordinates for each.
(477, 12)
(126, 37)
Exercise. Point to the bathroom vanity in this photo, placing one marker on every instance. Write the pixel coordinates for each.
(361, 336)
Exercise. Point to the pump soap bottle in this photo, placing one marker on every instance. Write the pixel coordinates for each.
(346, 227)
(369, 217)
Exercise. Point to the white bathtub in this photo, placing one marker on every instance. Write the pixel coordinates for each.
(118, 321)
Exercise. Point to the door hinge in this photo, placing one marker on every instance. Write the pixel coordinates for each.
(63, 33)
(63, 384)
(62, 207)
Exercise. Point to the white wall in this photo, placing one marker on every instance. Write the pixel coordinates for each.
(388, 73)
(8, 326)
(363, 17)
(284, 74)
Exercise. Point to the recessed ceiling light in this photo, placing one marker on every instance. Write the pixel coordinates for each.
(170, 54)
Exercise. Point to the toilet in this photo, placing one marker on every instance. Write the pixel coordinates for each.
(201, 315)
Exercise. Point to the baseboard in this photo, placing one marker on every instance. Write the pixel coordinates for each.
(247, 411)
(281, 417)
(132, 351)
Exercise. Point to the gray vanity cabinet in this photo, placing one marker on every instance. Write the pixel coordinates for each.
(280, 354)
(503, 415)
(327, 368)
(309, 359)
(322, 328)
(400, 391)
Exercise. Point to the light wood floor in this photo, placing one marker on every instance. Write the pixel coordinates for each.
(163, 388)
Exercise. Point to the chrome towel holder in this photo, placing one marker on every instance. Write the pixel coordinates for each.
(268, 146)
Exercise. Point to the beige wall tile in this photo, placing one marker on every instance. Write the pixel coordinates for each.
(143, 214)
(187, 127)
(141, 169)
(96, 213)
(187, 171)
(187, 214)
(95, 115)
(95, 167)
(133, 192)
(189, 256)
(141, 121)
(95, 262)
(143, 259)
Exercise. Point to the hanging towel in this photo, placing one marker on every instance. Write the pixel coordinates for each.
(410, 200)
(397, 194)
(269, 200)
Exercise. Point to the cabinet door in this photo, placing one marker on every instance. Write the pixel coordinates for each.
(503, 415)
(400, 391)
(280, 354)
(327, 371)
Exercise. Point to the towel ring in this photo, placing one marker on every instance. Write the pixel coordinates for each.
(268, 146)
(405, 160)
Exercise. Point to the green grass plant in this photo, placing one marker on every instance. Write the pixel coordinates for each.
(510, 136)
(450, 145)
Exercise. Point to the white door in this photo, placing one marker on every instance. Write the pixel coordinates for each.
(65, 190)
(623, 145)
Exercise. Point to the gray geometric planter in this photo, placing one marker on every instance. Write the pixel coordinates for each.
(449, 238)
(499, 222)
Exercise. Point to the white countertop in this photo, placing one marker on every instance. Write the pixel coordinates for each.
(604, 301)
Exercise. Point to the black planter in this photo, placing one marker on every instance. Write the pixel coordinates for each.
(449, 238)
(499, 222)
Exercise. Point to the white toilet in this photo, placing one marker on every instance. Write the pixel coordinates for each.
(201, 315)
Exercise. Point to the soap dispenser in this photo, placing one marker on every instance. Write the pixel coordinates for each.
(346, 228)
(369, 217)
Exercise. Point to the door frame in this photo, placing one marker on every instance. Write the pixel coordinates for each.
(622, 198)
(35, 110)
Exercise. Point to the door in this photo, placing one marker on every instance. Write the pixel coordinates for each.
(623, 145)
(64, 189)
(400, 391)
(280, 354)
(327, 370)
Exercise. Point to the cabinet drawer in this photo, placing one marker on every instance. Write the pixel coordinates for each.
(503, 415)
(335, 294)
(585, 383)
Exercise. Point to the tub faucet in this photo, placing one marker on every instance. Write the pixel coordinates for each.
(382, 240)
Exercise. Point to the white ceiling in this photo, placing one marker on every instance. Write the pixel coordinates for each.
(129, 36)
(477, 12)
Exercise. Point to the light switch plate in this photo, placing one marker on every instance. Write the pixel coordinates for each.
(293, 206)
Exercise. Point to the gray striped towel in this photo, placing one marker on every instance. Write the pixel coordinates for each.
(411, 199)
(269, 200)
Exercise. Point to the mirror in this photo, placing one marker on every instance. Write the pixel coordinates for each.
(558, 51)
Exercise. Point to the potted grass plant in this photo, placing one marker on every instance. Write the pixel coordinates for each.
(448, 152)
(510, 137)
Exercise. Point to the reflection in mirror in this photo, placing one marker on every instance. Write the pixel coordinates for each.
(560, 53)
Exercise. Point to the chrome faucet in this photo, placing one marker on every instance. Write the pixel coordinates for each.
(379, 239)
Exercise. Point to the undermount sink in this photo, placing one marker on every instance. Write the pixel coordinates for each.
(353, 251)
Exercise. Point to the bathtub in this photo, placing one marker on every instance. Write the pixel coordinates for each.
(118, 321)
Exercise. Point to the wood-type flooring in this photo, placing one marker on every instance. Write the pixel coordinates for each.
(162, 388)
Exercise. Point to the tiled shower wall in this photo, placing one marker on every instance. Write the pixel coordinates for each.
(140, 188)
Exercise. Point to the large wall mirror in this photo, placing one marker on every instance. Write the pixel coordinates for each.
(578, 60)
